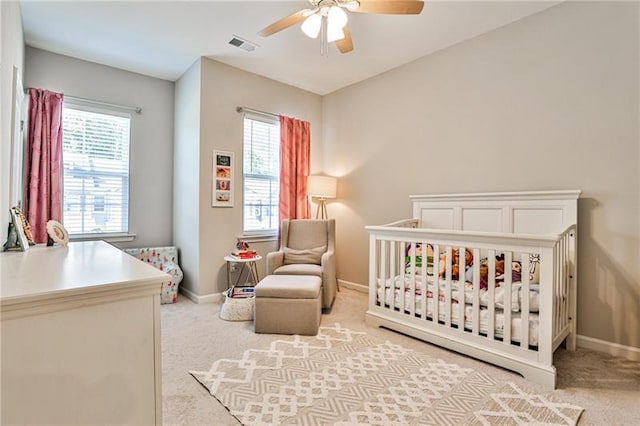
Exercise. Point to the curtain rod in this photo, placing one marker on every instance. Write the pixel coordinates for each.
(136, 109)
(256, 111)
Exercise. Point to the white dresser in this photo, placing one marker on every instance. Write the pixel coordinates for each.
(80, 337)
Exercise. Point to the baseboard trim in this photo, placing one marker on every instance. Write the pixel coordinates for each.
(207, 298)
(353, 286)
(614, 349)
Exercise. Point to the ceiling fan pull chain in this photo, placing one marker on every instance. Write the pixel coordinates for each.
(324, 47)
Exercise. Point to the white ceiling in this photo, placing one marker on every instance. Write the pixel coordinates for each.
(163, 38)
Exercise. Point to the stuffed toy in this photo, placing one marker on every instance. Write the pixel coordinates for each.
(516, 272)
(484, 274)
(418, 253)
(413, 250)
(455, 263)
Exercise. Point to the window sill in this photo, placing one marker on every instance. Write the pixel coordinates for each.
(112, 238)
(258, 238)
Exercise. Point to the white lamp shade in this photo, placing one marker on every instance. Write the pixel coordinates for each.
(322, 186)
(311, 25)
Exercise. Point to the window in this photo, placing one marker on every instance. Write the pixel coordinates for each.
(261, 174)
(95, 153)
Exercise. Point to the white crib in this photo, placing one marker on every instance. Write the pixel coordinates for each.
(513, 319)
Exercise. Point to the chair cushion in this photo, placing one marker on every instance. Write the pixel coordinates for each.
(299, 269)
(305, 233)
(289, 287)
(313, 255)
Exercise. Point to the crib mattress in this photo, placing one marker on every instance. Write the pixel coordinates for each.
(499, 292)
(516, 320)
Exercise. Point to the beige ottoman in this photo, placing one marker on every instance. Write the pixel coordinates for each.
(288, 304)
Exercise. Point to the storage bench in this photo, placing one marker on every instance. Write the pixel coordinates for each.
(288, 304)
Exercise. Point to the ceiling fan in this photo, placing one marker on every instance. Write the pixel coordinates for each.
(328, 17)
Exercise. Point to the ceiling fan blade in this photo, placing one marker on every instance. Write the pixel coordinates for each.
(284, 23)
(346, 44)
(390, 7)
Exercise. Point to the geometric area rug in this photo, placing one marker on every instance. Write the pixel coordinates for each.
(345, 377)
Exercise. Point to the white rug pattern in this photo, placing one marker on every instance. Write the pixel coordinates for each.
(344, 377)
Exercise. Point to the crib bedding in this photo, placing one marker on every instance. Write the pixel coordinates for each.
(516, 320)
(499, 291)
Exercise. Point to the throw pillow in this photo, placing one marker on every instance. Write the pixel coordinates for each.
(312, 255)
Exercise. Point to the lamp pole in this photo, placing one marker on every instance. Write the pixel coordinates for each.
(322, 209)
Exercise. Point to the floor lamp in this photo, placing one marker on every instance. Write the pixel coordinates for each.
(322, 187)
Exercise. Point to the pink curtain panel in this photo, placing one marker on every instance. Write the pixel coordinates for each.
(43, 186)
(295, 141)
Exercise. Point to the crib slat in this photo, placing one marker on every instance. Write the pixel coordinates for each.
(558, 290)
(436, 283)
(399, 286)
(373, 277)
(572, 243)
(524, 307)
(461, 288)
(412, 282)
(507, 299)
(491, 294)
(475, 320)
(424, 282)
(565, 281)
(562, 263)
(384, 255)
(447, 288)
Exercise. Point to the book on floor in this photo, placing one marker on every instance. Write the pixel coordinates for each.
(242, 292)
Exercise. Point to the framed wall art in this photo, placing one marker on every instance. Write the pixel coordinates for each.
(222, 179)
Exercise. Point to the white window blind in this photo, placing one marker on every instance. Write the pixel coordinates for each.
(261, 174)
(95, 152)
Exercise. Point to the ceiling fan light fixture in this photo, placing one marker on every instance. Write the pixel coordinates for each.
(350, 5)
(337, 17)
(311, 26)
(334, 33)
(328, 19)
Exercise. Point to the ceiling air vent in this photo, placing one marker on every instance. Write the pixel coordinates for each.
(242, 44)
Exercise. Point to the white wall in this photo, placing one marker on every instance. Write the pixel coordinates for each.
(186, 149)
(223, 89)
(548, 102)
(12, 55)
(151, 156)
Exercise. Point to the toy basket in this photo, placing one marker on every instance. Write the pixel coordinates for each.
(237, 309)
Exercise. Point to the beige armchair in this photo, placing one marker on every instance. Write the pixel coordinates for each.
(307, 248)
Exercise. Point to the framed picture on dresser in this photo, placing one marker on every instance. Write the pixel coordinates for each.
(17, 239)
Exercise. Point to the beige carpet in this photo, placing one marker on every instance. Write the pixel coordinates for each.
(342, 377)
(193, 337)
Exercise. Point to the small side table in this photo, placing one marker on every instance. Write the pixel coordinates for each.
(249, 264)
